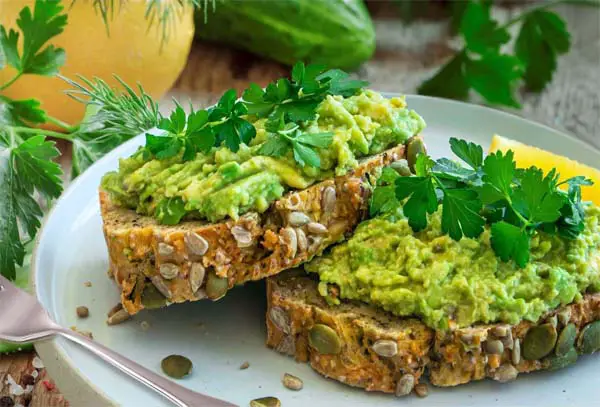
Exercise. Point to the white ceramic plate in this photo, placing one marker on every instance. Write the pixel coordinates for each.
(220, 336)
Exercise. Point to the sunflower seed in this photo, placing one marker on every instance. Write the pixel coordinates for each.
(287, 346)
(328, 199)
(564, 316)
(405, 385)
(280, 319)
(317, 228)
(505, 373)
(298, 219)
(242, 236)
(313, 243)
(161, 286)
(385, 348)
(169, 271)
(290, 238)
(244, 365)
(118, 317)
(337, 228)
(302, 240)
(196, 244)
(292, 382)
(165, 250)
(516, 352)
(114, 310)
(197, 273)
(500, 331)
(422, 390)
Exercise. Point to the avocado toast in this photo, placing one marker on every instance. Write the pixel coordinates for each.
(249, 187)
(405, 296)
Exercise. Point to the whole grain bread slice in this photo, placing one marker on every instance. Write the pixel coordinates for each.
(382, 352)
(156, 265)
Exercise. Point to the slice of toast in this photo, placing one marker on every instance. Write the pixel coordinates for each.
(156, 265)
(378, 351)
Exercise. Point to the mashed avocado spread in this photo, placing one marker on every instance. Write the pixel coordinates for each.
(223, 183)
(429, 275)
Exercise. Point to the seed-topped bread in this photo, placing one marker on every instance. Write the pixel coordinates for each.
(156, 264)
(366, 347)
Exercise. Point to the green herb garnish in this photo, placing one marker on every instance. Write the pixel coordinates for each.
(515, 202)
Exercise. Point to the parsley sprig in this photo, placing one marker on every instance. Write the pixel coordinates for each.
(483, 66)
(515, 202)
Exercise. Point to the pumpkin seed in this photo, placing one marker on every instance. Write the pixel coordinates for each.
(564, 316)
(118, 317)
(560, 362)
(405, 385)
(302, 240)
(385, 348)
(328, 199)
(165, 250)
(216, 287)
(317, 228)
(401, 167)
(589, 338)
(152, 298)
(290, 238)
(505, 373)
(161, 286)
(168, 271)
(516, 352)
(265, 402)
(242, 236)
(298, 219)
(494, 347)
(566, 340)
(414, 147)
(292, 382)
(197, 273)
(539, 342)
(422, 390)
(324, 340)
(196, 244)
(176, 366)
(280, 318)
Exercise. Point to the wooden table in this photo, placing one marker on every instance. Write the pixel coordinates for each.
(406, 55)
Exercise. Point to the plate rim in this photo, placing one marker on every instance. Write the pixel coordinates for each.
(74, 384)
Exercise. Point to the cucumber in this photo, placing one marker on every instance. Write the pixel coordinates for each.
(336, 33)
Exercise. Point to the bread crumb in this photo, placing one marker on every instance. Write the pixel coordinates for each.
(244, 365)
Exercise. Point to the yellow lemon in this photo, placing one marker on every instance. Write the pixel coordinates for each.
(130, 48)
(526, 156)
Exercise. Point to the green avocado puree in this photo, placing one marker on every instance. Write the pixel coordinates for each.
(429, 275)
(227, 184)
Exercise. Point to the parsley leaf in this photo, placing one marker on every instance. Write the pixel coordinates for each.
(470, 153)
(423, 199)
(537, 197)
(460, 215)
(232, 129)
(510, 242)
(302, 145)
(340, 83)
(495, 77)
(383, 198)
(21, 112)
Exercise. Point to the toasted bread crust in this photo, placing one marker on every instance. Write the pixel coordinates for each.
(448, 358)
(139, 248)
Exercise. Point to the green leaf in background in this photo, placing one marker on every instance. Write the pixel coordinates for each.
(450, 81)
(542, 37)
(481, 33)
(495, 78)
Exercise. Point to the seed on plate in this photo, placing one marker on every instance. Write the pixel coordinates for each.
(242, 236)
(152, 298)
(539, 341)
(298, 219)
(114, 309)
(516, 352)
(197, 272)
(118, 317)
(87, 334)
(317, 228)
(176, 366)
(505, 373)
(324, 340)
(328, 199)
(287, 346)
(292, 382)
(169, 271)
(566, 340)
(560, 362)
(385, 348)
(564, 316)
(87, 284)
(494, 347)
(196, 244)
(401, 167)
(589, 338)
(302, 240)
(244, 365)
(405, 385)
(422, 390)
(161, 286)
(165, 250)
(82, 311)
(280, 319)
(265, 402)
(216, 287)
(290, 239)
(145, 325)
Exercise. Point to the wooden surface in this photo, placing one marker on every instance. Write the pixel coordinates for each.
(406, 55)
